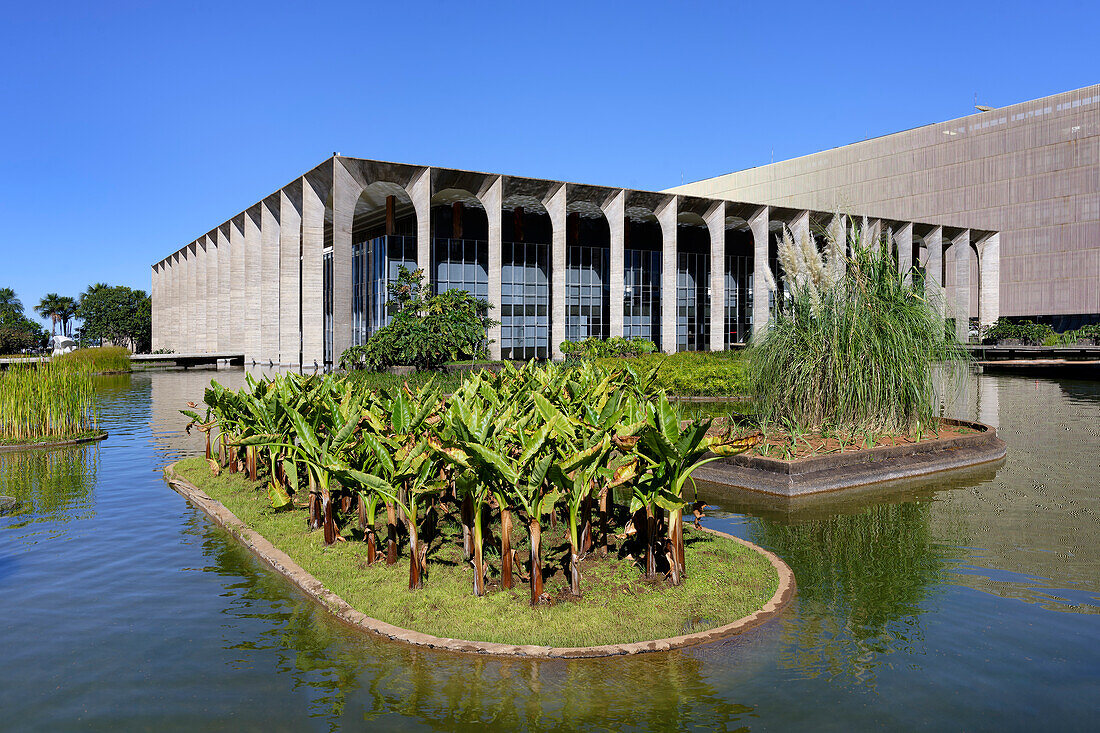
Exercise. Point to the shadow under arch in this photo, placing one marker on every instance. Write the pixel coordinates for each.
(384, 229)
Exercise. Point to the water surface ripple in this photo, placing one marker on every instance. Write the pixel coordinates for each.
(962, 603)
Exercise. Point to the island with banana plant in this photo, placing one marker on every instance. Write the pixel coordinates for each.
(571, 480)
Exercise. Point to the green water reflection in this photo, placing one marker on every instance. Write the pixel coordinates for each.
(50, 485)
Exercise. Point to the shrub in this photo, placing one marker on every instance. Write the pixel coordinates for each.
(852, 345)
(596, 348)
(425, 332)
(1027, 332)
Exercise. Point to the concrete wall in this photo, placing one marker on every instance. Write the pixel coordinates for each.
(1029, 170)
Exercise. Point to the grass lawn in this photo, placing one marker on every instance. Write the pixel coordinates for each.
(725, 580)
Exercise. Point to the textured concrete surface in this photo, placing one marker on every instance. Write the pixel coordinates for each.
(340, 608)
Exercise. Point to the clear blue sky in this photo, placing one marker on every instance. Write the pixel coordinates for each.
(131, 128)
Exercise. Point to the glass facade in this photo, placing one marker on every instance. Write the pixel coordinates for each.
(692, 301)
(739, 274)
(587, 295)
(524, 301)
(642, 294)
(461, 264)
(375, 263)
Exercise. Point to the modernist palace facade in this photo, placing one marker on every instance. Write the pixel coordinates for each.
(1030, 171)
(301, 275)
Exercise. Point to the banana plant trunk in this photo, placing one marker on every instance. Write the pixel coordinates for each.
(391, 534)
(208, 453)
(505, 547)
(534, 530)
(650, 541)
(586, 527)
(479, 561)
(467, 527)
(416, 569)
(315, 520)
(605, 510)
(676, 543)
(574, 555)
(329, 515)
(250, 462)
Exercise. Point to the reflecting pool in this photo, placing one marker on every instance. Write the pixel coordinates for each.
(968, 602)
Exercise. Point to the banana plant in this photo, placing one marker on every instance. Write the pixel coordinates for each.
(576, 472)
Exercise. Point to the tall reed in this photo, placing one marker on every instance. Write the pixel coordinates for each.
(99, 359)
(51, 401)
(853, 343)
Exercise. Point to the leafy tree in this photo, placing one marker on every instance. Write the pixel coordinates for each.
(17, 332)
(10, 305)
(118, 314)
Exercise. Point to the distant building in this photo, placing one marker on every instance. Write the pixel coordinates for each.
(1030, 171)
(301, 275)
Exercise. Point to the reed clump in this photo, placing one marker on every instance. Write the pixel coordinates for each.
(53, 401)
(98, 359)
(853, 343)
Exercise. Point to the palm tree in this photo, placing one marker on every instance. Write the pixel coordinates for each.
(49, 307)
(10, 305)
(66, 310)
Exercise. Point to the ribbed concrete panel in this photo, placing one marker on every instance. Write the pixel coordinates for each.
(615, 211)
(154, 293)
(313, 242)
(990, 280)
(492, 198)
(198, 297)
(174, 308)
(716, 227)
(238, 318)
(290, 261)
(345, 192)
(269, 280)
(211, 295)
(1030, 170)
(670, 269)
(253, 271)
(961, 246)
(933, 267)
(226, 286)
(758, 224)
(903, 241)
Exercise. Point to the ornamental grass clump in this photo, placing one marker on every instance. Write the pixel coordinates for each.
(47, 402)
(853, 342)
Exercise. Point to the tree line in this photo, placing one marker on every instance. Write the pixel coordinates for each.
(113, 314)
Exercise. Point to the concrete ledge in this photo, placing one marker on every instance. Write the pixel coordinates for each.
(340, 608)
(839, 471)
(59, 444)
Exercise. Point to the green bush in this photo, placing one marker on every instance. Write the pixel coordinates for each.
(425, 331)
(694, 373)
(1027, 332)
(597, 348)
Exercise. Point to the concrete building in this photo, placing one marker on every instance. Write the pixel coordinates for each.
(1030, 171)
(302, 274)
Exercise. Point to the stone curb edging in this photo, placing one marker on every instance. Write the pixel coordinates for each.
(342, 610)
(46, 446)
(839, 471)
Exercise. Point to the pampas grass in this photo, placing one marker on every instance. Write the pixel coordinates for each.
(853, 345)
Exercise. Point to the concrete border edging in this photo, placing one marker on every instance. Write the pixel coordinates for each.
(102, 435)
(839, 471)
(342, 610)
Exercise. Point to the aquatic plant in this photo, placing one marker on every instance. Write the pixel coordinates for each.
(853, 342)
(46, 402)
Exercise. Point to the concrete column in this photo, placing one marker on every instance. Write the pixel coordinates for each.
(199, 296)
(615, 211)
(211, 294)
(226, 284)
(313, 282)
(670, 271)
(420, 191)
(187, 300)
(290, 262)
(838, 232)
(345, 194)
(800, 226)
(238, 293)
(174, 298)
(252, 273)
(154, 294)
(874, 232)
(903, 240)
(933, 270)
(269, 281)
(556, 207)
(989, 280)
(758, 223)
(716, 225)
(492, 198)
(961, 245)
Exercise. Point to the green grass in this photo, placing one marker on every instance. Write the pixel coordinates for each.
(695, 373)
(100, 359)
(444, 381)
(725, 581)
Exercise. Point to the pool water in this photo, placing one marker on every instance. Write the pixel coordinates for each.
(965, 602)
